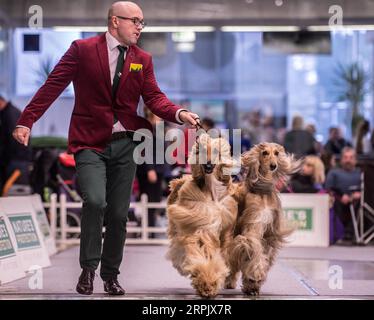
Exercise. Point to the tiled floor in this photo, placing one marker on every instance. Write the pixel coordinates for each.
(299, 273)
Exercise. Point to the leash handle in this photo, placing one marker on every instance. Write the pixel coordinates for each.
(197, 127)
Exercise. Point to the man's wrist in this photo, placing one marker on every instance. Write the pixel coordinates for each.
(177, 115)
(19, 126)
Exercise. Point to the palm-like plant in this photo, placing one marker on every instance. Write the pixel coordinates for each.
(352, 87)
(45, 68)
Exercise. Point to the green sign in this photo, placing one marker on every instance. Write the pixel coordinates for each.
(6, 246)
(302, 217)
(25, 232)
(43, 223)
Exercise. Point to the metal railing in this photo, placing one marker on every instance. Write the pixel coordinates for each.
(58, 210)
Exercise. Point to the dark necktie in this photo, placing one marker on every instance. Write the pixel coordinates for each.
(118, 73)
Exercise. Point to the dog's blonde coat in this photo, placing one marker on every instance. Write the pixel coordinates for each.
(261, 228)
(202, 215)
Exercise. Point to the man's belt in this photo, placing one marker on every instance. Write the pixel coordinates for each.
(121, 135)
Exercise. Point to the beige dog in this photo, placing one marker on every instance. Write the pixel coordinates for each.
(260, 229)
(202, 215)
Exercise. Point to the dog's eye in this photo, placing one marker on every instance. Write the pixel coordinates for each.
(276, 153)
(265, 153)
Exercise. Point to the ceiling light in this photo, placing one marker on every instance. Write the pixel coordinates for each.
(147, 29)
(341, 27)
(260, 28)
(278, 3)
(185, 46)
(80, 28)
(179, 29)
(188, 36)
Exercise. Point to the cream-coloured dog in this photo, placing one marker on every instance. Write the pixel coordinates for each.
(261, 228)
(202, 215)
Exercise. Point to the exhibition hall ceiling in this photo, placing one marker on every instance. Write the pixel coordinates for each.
(15, 13)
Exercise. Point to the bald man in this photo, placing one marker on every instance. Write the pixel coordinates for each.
(109, 73)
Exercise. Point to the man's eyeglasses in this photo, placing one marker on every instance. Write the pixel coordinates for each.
(135, 20)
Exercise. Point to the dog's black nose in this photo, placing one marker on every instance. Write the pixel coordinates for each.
(273, 166)
(208, 168)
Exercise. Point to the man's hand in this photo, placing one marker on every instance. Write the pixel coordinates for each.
(189, 117)
(356, 195)
(22, 135)
(345, 199)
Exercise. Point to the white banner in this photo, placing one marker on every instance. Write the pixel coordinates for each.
(42, 220)
(11, 267)
(25, 228)
(310, 212)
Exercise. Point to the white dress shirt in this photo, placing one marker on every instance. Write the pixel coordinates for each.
(113, 53)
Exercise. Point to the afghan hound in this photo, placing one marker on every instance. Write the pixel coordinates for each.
(202, 215)
(261, 227)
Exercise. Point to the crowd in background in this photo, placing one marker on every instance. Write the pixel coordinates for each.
(331, 168)
(326, 168)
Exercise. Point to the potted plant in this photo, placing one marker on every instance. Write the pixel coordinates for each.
(45, 68)
(352, 87)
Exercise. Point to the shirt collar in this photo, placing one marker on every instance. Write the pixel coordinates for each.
(112, 42)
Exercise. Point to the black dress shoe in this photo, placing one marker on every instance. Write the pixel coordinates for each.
(85, 282)
(112, 287)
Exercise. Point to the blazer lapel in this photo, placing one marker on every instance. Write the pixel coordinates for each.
(102, 51)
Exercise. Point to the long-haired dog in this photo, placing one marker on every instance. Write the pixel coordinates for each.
(202, 215)
(261, 227)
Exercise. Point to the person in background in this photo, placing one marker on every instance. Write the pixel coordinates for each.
(13, 155)
(110, 73)
(329, 161)
(311, 128)
(371, 153)
(336, 142)
(299, 141)
(362, 143)
(336, 226)
(344, 185)
(253, 125)
(311, 177)
(152, 175)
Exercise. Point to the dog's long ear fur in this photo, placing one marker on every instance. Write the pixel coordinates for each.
(193, 159)
(197, 173)
(174, 186)
(251, 162)
(223, 159)
(287, 164)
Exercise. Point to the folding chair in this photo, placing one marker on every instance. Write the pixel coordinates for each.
(358, 220)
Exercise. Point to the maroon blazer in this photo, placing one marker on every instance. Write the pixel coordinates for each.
(86, 64)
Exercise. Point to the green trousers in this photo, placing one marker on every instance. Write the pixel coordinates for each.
(105, 179)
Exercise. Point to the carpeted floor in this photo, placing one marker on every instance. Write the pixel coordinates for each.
(299, 273)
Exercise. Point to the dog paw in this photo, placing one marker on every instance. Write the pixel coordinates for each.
(251, 292)
(230, 283)
(251, 287)
(208, 293)
(206, 290)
